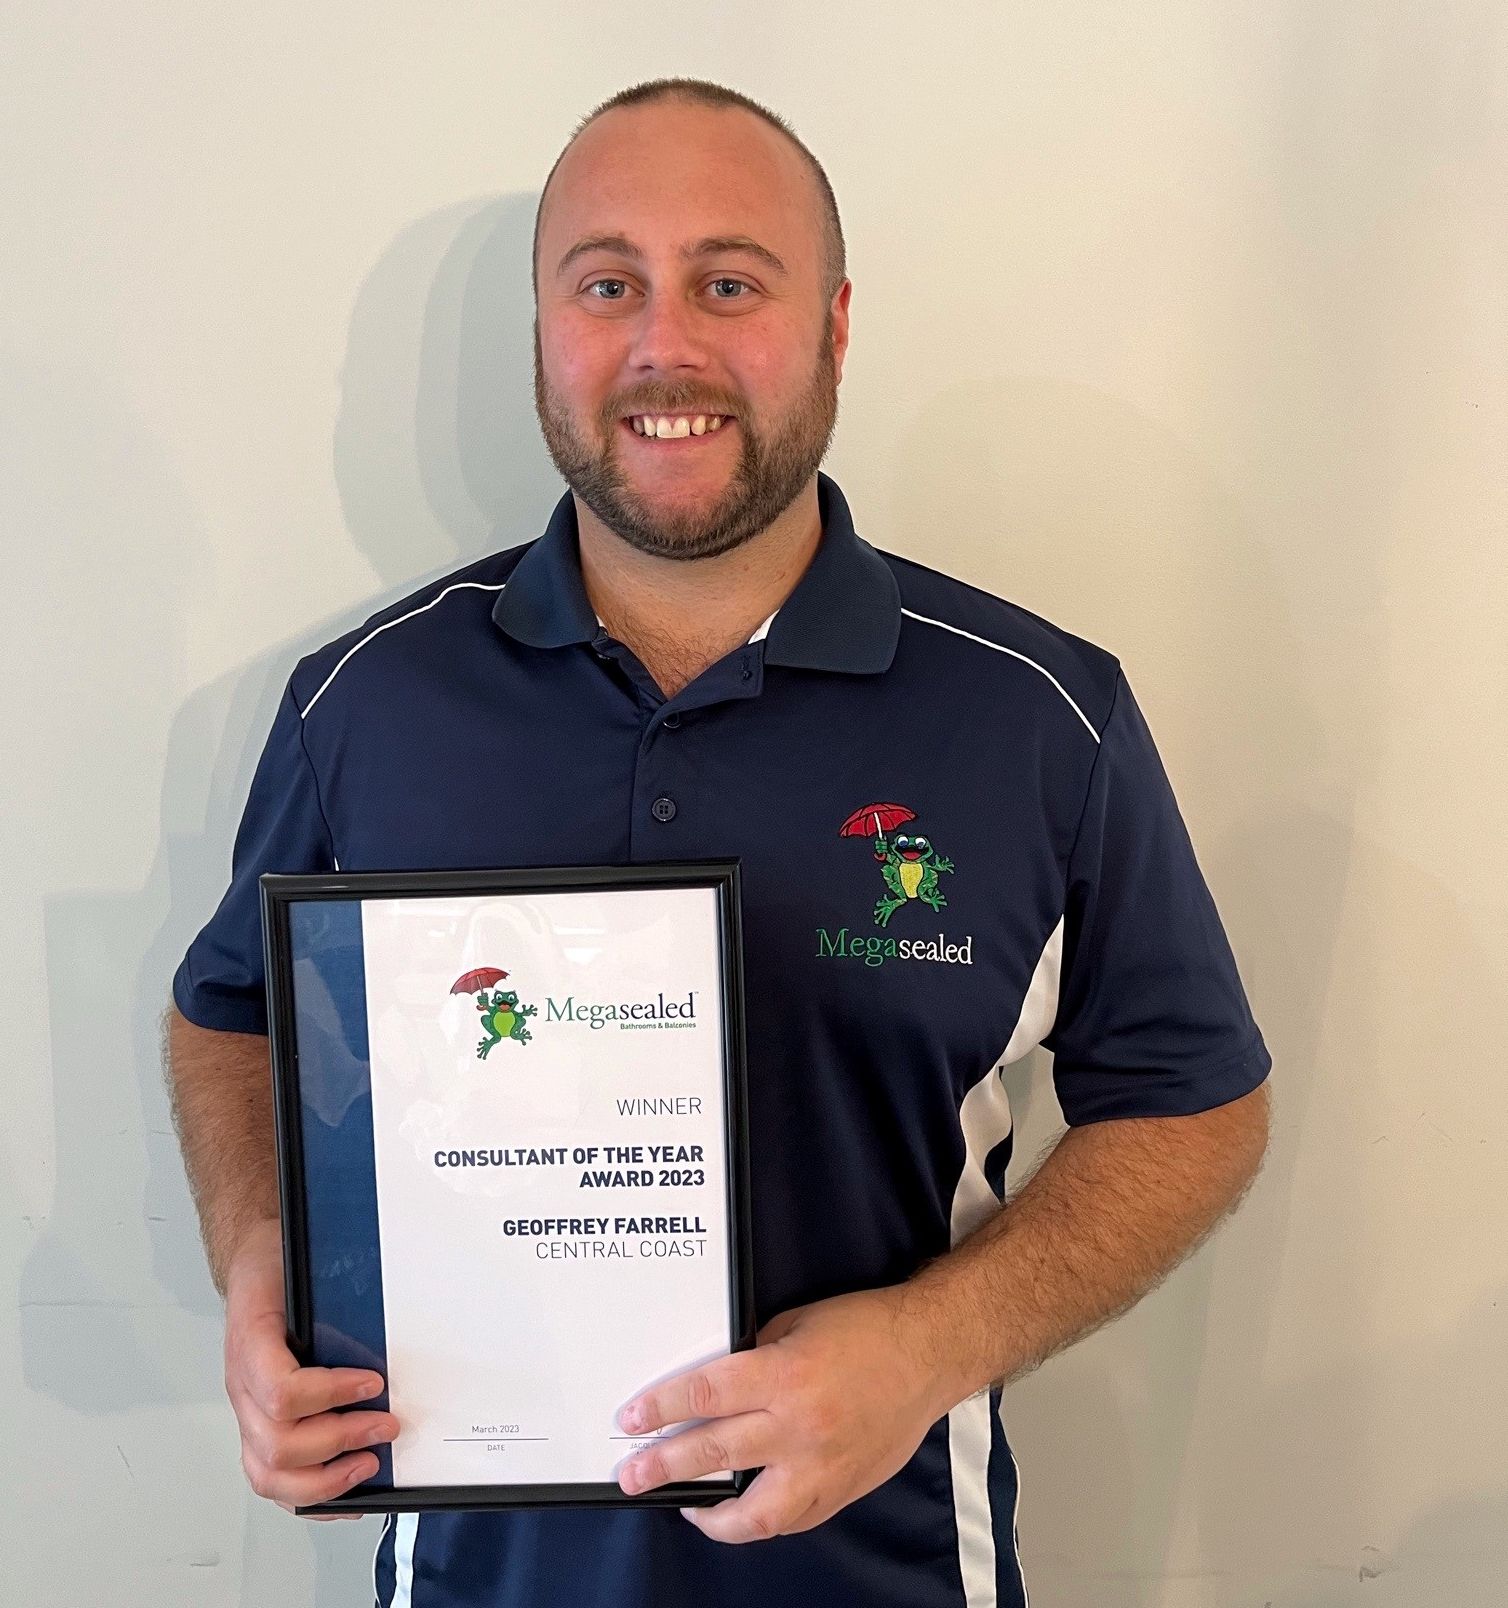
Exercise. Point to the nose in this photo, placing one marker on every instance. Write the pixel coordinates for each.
(667, 337)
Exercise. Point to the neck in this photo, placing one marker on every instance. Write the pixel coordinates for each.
(681, 615)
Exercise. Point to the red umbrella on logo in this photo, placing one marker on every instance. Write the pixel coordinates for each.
(473, 982)
(875, 820)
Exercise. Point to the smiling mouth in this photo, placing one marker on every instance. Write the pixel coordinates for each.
(676, 429)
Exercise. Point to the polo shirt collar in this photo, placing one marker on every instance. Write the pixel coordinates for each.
(845, 611)
(843, 614)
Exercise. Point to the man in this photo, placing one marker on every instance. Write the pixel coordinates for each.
(957, 843)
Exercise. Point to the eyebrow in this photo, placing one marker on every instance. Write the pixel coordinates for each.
(710, 246)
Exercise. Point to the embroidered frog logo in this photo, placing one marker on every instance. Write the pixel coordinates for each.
(909, 864)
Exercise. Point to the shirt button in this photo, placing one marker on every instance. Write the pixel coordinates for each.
(663, 809)
(671, 722)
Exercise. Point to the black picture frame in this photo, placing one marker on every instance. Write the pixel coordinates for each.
(279, 893)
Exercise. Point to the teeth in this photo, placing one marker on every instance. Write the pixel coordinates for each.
(665, 428)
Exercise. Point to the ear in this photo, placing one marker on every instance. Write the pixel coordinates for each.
(840, 328)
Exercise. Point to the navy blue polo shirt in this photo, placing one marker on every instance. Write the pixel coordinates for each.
(957, 842)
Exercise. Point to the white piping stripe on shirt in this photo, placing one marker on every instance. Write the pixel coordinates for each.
(985, 642)
(969, 1460)
(455, 586)
(985, 1117)
(1026, 1596)
(403, 1560)
(387, 1525)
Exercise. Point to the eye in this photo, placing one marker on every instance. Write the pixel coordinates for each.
(622, 286)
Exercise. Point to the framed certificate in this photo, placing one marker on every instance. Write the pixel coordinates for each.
(513, 1162)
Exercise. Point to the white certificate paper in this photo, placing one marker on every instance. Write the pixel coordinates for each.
(552, 1181)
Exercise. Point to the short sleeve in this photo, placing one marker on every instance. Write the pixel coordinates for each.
(1152, 1018)
(220, 982)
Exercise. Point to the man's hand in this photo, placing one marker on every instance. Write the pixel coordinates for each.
(833, 1400)
(294, 1448)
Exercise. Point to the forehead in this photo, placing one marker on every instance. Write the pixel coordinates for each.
(669, 173)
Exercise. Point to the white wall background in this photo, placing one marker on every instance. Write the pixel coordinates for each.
(1184, 325)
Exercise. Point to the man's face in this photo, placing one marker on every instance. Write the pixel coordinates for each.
(639, 327)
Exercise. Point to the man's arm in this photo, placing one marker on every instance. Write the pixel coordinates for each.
(296, 1448)
(221, 1090)
(837, 1395)
(1110, 1212)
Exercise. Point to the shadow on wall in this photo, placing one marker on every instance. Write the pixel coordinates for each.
(97, 1332)
(438, 460)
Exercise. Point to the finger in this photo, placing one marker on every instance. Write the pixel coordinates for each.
(770, 1507)
(286, 1392)
(778, 1327)
(319, 1518)
(724, 1444)
(314, 1440)
(307, 1486)
(743, 1382)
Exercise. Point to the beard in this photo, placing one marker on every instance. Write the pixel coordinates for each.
(773, 468)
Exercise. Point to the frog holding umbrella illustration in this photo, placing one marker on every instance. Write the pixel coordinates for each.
(502, 1015)
(909, 864)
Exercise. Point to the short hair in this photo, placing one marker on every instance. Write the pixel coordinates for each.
(701, 92)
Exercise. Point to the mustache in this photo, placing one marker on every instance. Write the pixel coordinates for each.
(659, 406)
